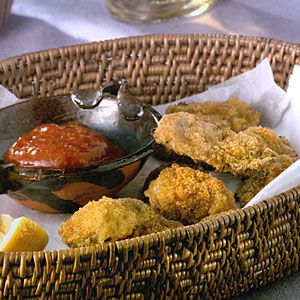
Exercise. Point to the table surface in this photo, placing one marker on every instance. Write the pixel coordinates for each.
(36, 25)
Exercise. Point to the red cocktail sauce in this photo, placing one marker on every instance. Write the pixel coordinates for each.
(67, 146)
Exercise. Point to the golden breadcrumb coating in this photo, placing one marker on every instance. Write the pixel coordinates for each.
(286, 156)
(235, 114)
(188, 195)
(245, 153)
(109, 220)
(252, 185)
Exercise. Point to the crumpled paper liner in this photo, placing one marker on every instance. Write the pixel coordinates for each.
(280, 110)
(289, 127)
(6, 97)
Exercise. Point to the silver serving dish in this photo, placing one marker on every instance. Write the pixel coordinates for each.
(112, 112)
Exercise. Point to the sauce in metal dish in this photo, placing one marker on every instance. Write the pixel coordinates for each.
(71, 145)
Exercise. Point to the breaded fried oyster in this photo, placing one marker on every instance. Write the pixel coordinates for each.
(188, 195)
(109, 220)
(245, 153)
(257, 152)
(252, 185)
(235, 114)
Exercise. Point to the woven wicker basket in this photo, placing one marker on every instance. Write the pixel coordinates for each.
(218, 258)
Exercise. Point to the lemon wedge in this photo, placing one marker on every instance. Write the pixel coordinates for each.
(21, 234)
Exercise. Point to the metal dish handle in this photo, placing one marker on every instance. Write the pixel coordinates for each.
(130, 109)
(5, 169)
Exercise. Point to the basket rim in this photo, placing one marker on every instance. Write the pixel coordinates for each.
(204, 225)
(158, 37)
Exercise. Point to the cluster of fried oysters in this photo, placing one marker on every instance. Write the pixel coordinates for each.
(221, 136)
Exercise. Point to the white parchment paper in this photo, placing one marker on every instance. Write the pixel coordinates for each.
(280, 110)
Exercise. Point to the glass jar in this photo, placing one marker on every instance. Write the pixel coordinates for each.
(156, 10)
